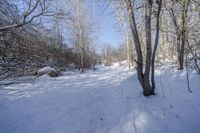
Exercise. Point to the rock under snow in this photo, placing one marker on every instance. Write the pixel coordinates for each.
(47, 70)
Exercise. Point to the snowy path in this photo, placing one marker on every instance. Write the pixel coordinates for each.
(105, 101)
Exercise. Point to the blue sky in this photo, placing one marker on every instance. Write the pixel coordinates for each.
(107, 32)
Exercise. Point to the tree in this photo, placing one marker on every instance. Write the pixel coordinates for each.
(124, 28)
(144, 77)
(33, 10)
(81, 27)
(180, 29)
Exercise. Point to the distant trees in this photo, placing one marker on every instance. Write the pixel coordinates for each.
(180, 29)
(184, 16)
(121, 16)
(110, 54)
(82, 28)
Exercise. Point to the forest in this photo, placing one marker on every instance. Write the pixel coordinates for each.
(57, 68)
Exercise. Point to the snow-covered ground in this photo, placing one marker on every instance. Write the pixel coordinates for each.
(108, 100)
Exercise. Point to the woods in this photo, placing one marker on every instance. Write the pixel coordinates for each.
(27, 44)
(156, 12)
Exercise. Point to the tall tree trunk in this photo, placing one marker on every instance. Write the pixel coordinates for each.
(183, 22)
(148, 12)
(179, 50)
(142, 77)
(163, 26)
(134, 30)
(80, 35)
(128, 50)
(156, 44)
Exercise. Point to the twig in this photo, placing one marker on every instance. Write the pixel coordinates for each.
(187, 74)
(161, 84)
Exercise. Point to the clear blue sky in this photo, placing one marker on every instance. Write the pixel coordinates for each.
(107, 32)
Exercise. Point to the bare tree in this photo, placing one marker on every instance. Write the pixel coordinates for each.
(180, 29)
(124, 28)
(144, 77)
(82, 30)
(33, 10)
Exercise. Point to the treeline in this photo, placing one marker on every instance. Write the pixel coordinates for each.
(111, 54)
(22, 53)
(27, 45)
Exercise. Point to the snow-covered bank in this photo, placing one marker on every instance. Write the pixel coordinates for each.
(108, 100)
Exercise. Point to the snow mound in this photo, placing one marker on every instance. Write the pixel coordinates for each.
(47, 70)
(119, 65)
(116, 65)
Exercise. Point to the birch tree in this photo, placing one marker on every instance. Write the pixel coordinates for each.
(82, 30)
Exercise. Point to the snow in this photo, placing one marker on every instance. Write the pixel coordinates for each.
(46, 70)
(116, 65)
(108, 100)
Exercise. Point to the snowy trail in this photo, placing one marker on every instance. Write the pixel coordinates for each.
(105, 101)
(61, 104)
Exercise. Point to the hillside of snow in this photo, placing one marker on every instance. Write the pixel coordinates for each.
(109, 100)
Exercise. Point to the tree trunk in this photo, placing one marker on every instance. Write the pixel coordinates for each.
(128, 50)
(180, 65)
(181, 32)
(142, 77)
(156, 44)
(133, 27)
(148, 12)
(182, 47)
